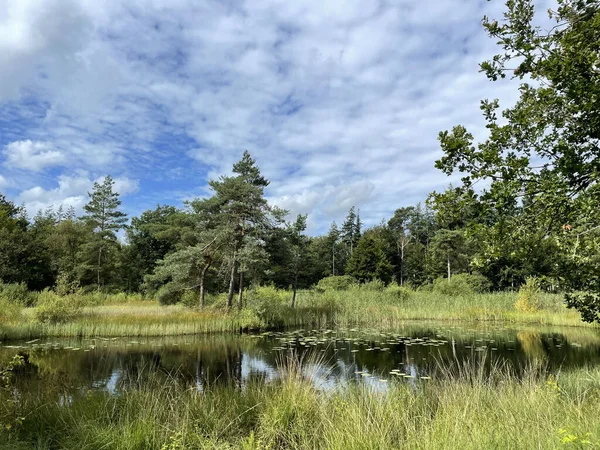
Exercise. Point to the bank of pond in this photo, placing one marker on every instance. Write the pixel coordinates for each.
(419, 385)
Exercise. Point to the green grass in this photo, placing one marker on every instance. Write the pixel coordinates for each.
(268, 308)
(466, 412)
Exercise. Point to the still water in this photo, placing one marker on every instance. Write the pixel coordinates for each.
(331, 358)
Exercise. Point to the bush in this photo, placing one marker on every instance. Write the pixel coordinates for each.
(454, 287)
(479, 283)
(52, 308)
(168, 295)
(462, 284)
(398, 292)
(336, 283)
(529, 296)
(65, 286)
(373, 285)
(9, 311)
(191, 298)
(269, 304)
(216, 301)
(16, 293)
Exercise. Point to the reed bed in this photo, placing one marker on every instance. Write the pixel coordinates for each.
(267, 308)
(465, 410)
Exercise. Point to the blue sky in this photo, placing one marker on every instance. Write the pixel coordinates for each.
(339, 101)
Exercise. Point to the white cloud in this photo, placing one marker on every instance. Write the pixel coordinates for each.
(32, 155)
(3, 182)
(340, 102)
(71, 191)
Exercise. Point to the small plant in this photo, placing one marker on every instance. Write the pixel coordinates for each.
(175, 442)
(7, 375)
(569, 438)
(529, 296)
(52, 308)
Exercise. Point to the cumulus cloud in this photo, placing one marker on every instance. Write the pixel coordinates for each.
(32, 155)
(340, 102)
(71, 191)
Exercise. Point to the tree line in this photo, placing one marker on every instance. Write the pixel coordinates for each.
(234, 237)
(537, 216)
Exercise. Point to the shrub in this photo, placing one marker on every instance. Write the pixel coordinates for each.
(191, 298)
(454, 287)
(269, 304)
(16, 293)
(528, 299)
(427, 287)
(9, 311)
(462, 284)
(65, 286)
(398, 292)
(373, 285)
(336, 283)
(168, 295)
(216, 301)
(479, 283)
(52, 308)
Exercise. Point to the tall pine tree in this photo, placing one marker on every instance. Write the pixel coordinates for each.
(104, 220)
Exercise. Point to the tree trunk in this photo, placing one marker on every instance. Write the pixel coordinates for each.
(241, 291)
(232, 280)
(448, 267)
(402, 263)
(202, 275)
(294, 289)
(333, 260)
(98, 268)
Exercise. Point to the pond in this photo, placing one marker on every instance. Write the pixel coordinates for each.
(331, 358)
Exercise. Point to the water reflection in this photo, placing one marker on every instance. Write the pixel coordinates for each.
(330, 358)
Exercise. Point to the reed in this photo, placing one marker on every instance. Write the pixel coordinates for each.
(268, 308)
(464, 411)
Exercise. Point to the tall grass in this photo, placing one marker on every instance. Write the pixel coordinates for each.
(268, 308)
(467, 411)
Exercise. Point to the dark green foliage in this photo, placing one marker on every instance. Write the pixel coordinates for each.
(150, 237)
(369, 261)
(98, 255)
(545, 149)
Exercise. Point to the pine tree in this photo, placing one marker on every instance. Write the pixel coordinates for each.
(333, 236)
(298, 242)
(349, 230)
(245, 217)
(369, 260)
(103, 219)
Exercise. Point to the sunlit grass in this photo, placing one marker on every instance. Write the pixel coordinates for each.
(356, 306)
(467, 411)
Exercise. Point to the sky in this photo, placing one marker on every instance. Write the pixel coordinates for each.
(340, 102)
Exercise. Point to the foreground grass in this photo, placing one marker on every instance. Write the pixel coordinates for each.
(268, 308)
(466, 411)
